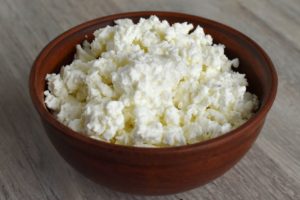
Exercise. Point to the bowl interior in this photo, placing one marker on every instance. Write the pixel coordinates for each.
(253, 61)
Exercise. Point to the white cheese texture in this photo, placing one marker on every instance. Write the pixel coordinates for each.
(150, 84)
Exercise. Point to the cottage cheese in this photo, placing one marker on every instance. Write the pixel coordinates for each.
(150, 84)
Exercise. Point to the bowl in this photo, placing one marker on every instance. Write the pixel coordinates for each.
(155, 171)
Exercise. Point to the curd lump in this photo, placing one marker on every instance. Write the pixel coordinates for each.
(150, 84)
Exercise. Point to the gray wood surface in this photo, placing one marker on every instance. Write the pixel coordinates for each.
(30, 168)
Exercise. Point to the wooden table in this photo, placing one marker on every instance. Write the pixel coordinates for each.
(30, 168)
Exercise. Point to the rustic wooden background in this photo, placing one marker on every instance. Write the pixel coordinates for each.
(30, 168)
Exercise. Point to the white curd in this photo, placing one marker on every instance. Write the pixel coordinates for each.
(150, 84)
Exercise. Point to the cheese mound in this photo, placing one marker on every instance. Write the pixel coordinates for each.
(150, 84)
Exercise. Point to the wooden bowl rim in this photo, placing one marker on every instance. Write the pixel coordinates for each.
(215, 142)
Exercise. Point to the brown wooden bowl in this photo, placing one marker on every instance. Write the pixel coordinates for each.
(150, 170)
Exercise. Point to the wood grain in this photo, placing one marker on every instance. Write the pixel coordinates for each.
(30, 168)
